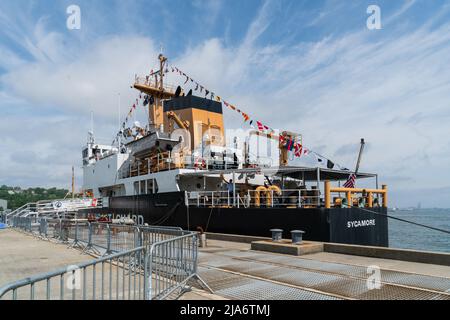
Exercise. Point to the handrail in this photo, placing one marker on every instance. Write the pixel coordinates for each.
(349, 192)
(274, 197)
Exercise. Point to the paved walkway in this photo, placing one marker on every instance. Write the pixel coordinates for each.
(23, 255)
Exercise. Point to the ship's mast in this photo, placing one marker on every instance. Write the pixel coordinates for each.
(159, 84)
(154, 87)
(73, 182)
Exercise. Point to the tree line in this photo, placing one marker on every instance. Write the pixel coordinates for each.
(17, 196)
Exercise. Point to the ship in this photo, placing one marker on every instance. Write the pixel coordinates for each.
(177, 170)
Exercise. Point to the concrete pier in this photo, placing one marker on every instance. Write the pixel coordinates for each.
(235, 271)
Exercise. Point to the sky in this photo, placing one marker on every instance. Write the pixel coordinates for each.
(309, 66)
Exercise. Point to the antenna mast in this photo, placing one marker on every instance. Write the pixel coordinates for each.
(119, 139)
(361, 149)
(73, 182)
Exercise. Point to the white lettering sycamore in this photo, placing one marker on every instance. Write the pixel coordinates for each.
(361, 223)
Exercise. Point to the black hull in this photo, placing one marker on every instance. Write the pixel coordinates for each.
(338, 225)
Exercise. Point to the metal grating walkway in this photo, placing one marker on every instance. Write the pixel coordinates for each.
(234, 286)
(265, 276)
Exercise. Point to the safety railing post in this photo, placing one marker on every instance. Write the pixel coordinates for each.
(76, 232)
(89, 235)
(45, 228)
(195, 248)
(271, 198)
(147, 292)
(60, 230)
(108, 239)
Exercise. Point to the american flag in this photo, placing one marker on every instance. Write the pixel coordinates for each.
(350, 181)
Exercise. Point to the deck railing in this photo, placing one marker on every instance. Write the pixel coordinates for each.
(150, 81)
(287, 198)
(357, 197)
(58, 208)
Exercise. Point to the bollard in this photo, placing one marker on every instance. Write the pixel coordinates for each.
(276, 234)
(297, 236)
(202, 240)
(108, 242)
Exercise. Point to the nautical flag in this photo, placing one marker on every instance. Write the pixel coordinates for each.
(196, 87)
(246, 117)
(290, 144)
(187, 79)
(350, 181)
(330, 164)
(298, 150)
(260, 126)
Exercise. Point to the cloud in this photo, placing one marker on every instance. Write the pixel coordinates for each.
(91, 81)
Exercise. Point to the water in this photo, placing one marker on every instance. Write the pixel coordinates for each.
(407, 236)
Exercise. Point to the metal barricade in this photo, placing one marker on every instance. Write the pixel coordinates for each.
(111, 277)
(172, 263)
(151, 272)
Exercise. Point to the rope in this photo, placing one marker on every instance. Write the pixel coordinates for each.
(402, 220)
(207, 223)
(166, 216)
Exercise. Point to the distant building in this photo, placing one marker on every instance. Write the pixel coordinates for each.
(3, 204)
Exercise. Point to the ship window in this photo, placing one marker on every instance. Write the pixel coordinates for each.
(152, 186)
(143, 188)
(136, 187)
(199, 186)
